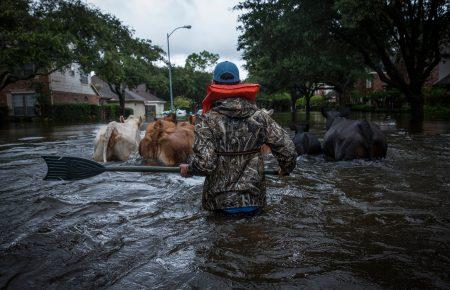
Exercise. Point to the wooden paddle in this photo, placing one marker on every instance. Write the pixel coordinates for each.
(75, 168)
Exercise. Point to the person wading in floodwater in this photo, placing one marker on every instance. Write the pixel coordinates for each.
(227, 145)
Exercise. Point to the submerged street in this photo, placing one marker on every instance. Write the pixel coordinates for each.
(358, 224)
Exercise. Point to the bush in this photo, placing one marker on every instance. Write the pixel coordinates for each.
(316, 102)
(86, 112)
(111, 112)
(356, 97)
(280, 102)
(436, 110)
(182, 103)
(361, 107)
(76, 112)
(436, 96)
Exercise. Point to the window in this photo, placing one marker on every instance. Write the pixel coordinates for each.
(24, 104)
(368, 84)
(72, 70)
(84, 78)
(28, 69)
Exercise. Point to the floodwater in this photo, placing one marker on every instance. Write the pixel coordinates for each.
(356, 224)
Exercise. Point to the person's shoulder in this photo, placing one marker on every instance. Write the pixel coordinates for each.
(207, 118)
(263, 114)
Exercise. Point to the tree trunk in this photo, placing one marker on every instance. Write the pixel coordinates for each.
(307, 108)
(416, 104)
(341, 101)
(293, 109)
(122, 104)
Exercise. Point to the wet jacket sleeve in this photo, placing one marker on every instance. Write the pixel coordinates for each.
(204, 158)
(281, 145)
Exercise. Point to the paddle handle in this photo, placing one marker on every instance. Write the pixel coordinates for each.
(161, 169)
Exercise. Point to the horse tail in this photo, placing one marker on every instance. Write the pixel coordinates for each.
(367, 133)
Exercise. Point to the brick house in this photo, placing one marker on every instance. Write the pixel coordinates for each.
(63, 86)
(371, 84)
(440, 75)
(142, 102)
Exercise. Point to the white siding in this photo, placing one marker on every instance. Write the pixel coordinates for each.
(138, 108)
(159, 107)
(69, 81)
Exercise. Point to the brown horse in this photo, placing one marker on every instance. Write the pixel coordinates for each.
(167, 142)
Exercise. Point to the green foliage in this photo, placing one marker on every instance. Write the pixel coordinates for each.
(182, 103)
(201, 61)
(280, 102)
(190, 84)
(125, 61)
(186, 82)
(362, 107)
(111, 112)
(387, 34)
(43, 98)
(38, 37)
(76, 112)
(86, 112)
(437, 111)
(435, 96)
(289, 43)
(316, 102)
(286, 49)
(389, 100)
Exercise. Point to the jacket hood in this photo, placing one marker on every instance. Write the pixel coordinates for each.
(235, 107)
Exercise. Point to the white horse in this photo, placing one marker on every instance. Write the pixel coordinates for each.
(117, 141)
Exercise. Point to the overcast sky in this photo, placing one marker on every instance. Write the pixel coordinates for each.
(214, 25)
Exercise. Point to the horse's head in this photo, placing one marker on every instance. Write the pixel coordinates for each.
(333, 114)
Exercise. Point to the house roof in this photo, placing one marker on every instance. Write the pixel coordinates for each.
(444, 81)
(139, 94)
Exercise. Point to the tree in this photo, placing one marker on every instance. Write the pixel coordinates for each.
(201, 61)
(122, 60)
(127, 65)
(39, 37)
(402, 40)
(286, 50)
(189, 81)
(182, 103)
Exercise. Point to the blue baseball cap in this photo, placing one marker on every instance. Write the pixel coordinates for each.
(226, 72)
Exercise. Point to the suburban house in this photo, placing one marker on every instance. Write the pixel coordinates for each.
(440, 75)
(142, 102)
(70, 85)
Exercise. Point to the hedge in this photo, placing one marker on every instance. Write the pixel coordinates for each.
(280, 102)
(111, 112)
(86, 112)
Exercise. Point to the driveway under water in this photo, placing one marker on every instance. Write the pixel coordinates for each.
(356, 224)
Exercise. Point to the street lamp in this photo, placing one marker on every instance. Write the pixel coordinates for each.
(170, 66)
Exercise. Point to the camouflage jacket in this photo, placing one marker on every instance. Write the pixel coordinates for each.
(237, 180)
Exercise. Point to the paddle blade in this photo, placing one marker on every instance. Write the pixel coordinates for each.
(71, 168)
